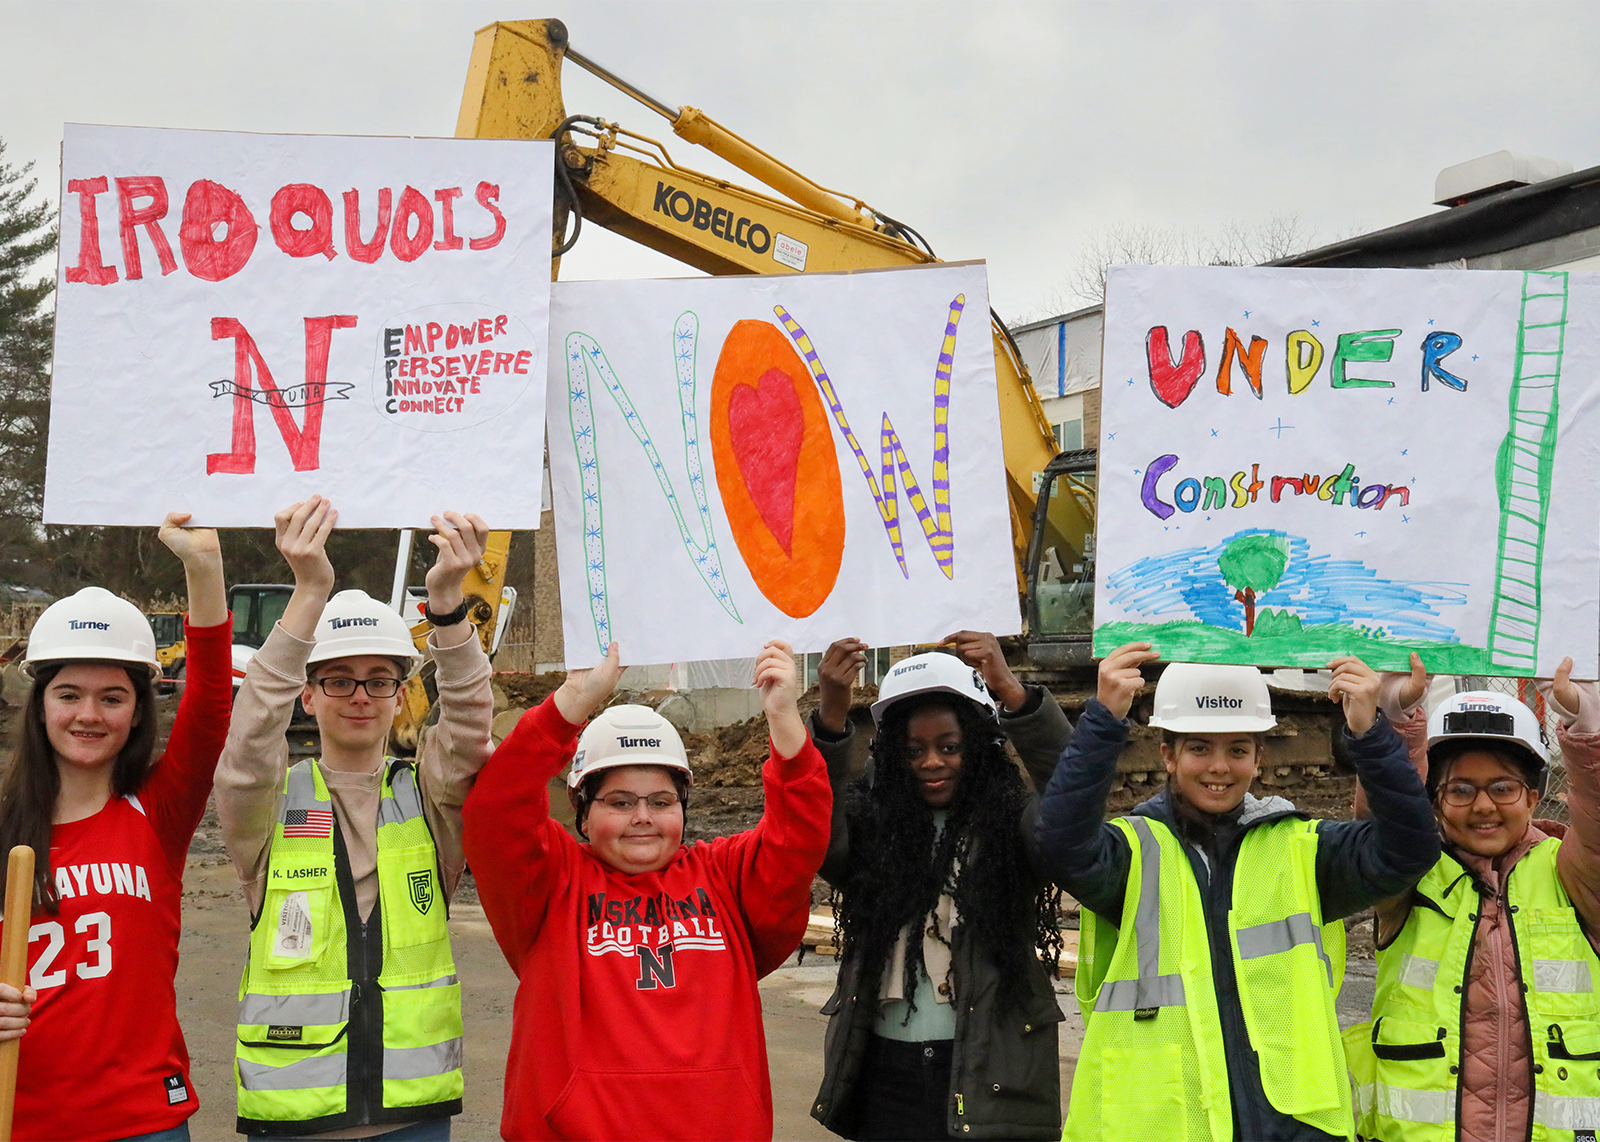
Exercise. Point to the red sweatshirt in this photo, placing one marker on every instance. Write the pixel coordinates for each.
(104, 1056)
(637, 1014)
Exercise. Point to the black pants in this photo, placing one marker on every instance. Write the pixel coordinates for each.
(905, 1090)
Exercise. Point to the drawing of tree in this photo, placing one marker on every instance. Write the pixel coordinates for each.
(1253, 564)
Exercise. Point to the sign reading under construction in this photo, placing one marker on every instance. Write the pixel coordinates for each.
(1299, 464)
(243, 320)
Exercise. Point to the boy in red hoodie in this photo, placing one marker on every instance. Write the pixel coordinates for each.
(637, 1014)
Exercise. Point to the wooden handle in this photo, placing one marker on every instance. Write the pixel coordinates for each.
(14, 967)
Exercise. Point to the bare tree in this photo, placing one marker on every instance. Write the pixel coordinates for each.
(1143, 244)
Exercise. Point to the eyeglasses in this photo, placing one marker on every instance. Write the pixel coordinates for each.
(1502, 791)
(341, 687)
(624, 804)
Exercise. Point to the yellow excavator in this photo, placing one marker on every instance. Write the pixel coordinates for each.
(630, 184)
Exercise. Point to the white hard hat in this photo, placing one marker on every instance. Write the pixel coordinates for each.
(627, 735)
(92, 624)
(1198, 698)
(354, 623)
(1492, 715)
(931, 673)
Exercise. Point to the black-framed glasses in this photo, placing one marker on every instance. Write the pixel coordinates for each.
(625, 803)
(1502, 791)
(341, 687)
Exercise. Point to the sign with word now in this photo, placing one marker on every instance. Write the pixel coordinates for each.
(244, 320)
(1300, 464)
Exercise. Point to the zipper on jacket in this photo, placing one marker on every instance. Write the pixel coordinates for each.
(1461, 1018)
(1522, 996)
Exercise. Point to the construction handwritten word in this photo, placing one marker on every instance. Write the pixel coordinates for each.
(1213, 493)
(218, 231)
(1172, 379)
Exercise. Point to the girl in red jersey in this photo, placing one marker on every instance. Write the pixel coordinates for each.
(102, 1054)
(637, 1014)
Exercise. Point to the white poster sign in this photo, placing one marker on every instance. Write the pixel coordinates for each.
(801, 457)
(243, 320)
(1300, 464)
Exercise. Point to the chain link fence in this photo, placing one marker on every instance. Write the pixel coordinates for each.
(1554, 804)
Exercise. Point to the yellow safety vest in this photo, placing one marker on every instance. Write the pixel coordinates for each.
(1406, 1061)
(336, 1030)
(1153, 1064)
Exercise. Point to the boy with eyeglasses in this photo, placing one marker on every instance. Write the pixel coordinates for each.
(350, 1009)
(1485, 1024)
(637, 1013)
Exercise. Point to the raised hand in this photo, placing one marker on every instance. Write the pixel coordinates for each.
(461, 540)
(1416, 685)
(778, 679)
(981, 650)
(189, 543)
(584, 692)
(201, 553)
(302, 537)
(836, 678)
(1355, 685)
(1120, 679)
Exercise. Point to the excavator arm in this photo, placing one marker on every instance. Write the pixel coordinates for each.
(629, 184)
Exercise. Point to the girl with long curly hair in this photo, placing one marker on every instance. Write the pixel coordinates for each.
(944, 1020)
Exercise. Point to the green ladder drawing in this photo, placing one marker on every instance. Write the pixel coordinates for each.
(1522, 473)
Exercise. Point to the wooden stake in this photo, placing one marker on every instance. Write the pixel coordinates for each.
(14, 967)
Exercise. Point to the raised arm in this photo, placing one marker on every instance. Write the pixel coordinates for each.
(771, 866)
(250, 775)
(175, 794)
(1030, 717)
(459, 744)
(517, 852)
(1360, 863)
(1400, 699)
(1578, 862)
(833, 736)
(1080, 851)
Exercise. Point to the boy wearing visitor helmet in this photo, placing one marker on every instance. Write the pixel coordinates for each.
(637, 1013)
(1484, 1022)
(944, 1021)
(1211, 947)
(350, 1011)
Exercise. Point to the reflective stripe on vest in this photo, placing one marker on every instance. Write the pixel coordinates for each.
(1151, 988)
(1282, 936)
(1418, 1003)
(299, 1024)
(319, 1071)
(1154, 1061)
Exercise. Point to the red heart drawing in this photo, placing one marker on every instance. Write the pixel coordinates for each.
(767, 427)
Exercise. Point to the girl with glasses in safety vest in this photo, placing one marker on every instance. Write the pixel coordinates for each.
(1486, 1021)
(103, 1056)
(1211, 947)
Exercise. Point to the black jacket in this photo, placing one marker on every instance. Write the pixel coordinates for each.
(1005, 1078)
(1358, 864)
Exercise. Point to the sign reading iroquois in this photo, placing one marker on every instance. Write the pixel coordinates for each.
(799, 457)
(243, 320)
(1301, 464)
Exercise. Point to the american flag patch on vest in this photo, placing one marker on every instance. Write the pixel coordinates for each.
(308, 823)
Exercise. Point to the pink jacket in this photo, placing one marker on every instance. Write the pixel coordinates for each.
(1496, 1077)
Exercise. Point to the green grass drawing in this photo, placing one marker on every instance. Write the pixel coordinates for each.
(1280, 642)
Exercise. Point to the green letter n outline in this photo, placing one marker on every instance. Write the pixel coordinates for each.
(583, 355)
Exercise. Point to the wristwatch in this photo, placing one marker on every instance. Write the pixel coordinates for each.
(449, 620)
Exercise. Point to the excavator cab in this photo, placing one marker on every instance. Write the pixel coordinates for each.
(1060, 566)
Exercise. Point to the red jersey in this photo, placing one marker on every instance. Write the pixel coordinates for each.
(104, 1056)
(637, 1014)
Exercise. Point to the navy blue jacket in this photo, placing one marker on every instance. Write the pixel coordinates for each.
(1358, 864)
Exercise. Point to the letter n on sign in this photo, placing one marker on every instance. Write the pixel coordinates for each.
(304, 443)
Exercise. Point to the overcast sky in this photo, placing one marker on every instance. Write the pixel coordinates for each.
(1005, 131)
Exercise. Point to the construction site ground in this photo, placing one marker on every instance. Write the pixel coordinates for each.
(727, 799)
